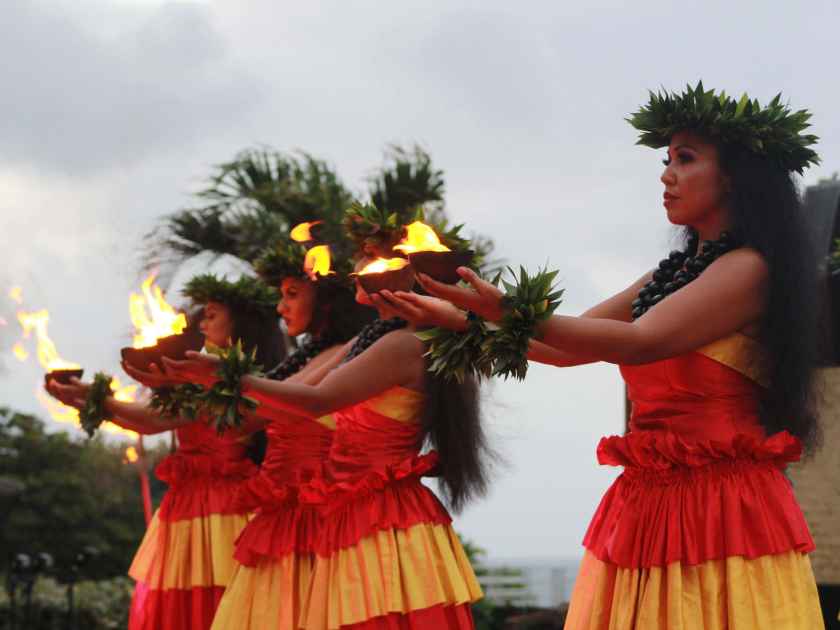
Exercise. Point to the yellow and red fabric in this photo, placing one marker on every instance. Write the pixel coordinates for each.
(186, 558)
(275, 551)
(386, 557)
(702, 529)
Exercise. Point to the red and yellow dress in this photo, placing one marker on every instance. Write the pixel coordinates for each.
(702, 530)
(186, 558)
(275, 551)
(387, 557)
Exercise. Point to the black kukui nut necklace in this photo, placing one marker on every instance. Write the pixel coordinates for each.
(679, 269)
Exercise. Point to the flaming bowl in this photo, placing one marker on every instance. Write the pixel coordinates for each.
(62, 376)
(441, 266)
(173, 346)
(394, 280)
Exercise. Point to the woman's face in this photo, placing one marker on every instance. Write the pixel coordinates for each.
(297, 304)
(695, 186)
(217, 324)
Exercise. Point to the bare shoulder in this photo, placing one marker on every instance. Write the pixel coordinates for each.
(745, 265)
(403, 342)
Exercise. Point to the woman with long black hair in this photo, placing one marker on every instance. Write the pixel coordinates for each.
(718, 348)
(186, 558)
(386, 555)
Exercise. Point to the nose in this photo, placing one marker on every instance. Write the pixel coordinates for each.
(668, 177)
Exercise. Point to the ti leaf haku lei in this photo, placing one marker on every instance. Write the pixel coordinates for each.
(773, 131)
(246, 294)
(501, 349)
(93, 413)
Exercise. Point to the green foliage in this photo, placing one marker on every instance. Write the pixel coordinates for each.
(76, 494)
(181, 400)
(834, 257)
(773, 131)
(246, 294)
(100, 605)
(528, 301)
(406, 183)
(224, 402)
(93, 413)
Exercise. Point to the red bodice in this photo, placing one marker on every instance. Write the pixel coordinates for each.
(701, 480)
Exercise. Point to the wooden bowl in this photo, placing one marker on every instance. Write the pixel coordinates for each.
(173, 346)
(441, 266)
(394, 280)
(62, 376)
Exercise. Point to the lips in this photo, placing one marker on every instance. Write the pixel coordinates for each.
(669, 197)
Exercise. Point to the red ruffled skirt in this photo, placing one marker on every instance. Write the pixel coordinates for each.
(697, 536)
(186, 558)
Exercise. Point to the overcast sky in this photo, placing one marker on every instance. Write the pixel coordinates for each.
(112, 113)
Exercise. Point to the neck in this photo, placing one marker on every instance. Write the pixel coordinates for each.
(710, 229)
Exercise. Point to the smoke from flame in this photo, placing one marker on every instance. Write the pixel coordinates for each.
(420, 238)
(152, 316)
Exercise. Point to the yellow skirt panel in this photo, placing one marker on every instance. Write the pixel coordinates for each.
(734, 593)
(266, 596)
(187, 554)
(391, 571)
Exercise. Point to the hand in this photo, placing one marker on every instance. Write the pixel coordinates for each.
(72, 395)
(197, 368)
(484, 299)
(154, 378)
(422, 310)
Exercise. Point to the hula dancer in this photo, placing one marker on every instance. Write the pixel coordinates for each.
(186, 557)
(275, 552)
(717, 347)
(386, 554)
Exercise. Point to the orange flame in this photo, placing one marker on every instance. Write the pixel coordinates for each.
(131, 455)
(302, 232)
(381, 265)
(20, 352)
(420, 238)
(16, 294)
(152, 316)
(47, 354)
(318, 262)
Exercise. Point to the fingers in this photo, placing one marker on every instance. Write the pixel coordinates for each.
(459, 296)
(406, 309)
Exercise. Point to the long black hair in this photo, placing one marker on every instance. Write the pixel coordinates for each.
(258, 330)
(766, 213)
(453, 426)
(338, 316)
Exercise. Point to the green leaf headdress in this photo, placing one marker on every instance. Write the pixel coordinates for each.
(247, 293)
(773, 131)
(375, 231)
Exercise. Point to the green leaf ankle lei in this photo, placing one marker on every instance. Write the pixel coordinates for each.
(485, 349)
(93, 413)
(453, 355)
(528, 301)
(182, 400)
(224, 401)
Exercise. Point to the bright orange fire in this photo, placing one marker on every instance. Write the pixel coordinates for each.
(131, 455)
(16, 294)
(152, 316)
(318, 262)
(420, 238)
(381, 265)
(302, 231)
(47, 354)
(20, 352)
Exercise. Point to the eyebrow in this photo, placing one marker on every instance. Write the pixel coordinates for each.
(684, 146)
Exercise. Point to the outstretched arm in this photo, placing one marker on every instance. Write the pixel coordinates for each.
(727, 297)
(394, 360)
